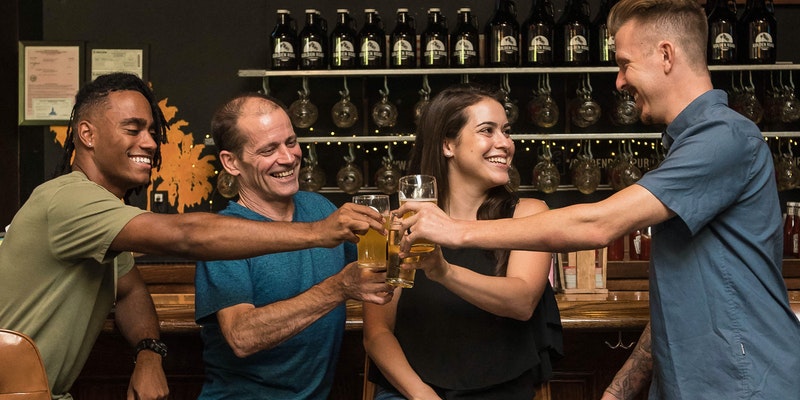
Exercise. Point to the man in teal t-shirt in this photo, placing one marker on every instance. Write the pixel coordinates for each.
(273, 324)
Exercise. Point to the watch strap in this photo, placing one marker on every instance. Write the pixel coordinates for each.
(154, 345)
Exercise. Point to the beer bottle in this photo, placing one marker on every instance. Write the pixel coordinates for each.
(722, 32)
(537, 31)
(502, 36)
(313, 42)
(573, 34)
(603, 46)
(343, 41)
(435, 41)
(464, 41)
(758, 36)
(403, 42)
(284, 42)
(372, 41)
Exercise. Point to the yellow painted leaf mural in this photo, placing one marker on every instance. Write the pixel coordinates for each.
(185, 173)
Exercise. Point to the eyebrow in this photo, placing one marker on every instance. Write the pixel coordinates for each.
(134, 121)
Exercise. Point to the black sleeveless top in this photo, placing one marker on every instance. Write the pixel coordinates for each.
(454, 345)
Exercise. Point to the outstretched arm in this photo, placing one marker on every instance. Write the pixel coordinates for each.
(204, 236)
(248, 329)
(577, 227)
(635, 374)
(136, 319)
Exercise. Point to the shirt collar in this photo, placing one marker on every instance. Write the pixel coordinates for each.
(691, 114)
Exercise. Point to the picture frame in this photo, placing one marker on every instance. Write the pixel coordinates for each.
(106, 58)
(51, 73)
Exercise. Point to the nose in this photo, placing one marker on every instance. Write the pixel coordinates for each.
(504, 142)
(621, 82)
(288, 155)
(147, 141)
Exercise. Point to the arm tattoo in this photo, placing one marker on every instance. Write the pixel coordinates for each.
(637, 371)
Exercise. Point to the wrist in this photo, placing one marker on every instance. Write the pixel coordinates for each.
(150, 346)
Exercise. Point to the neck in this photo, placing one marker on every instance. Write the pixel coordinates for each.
(276, 210)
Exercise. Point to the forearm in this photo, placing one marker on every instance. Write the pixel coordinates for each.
(135, 314)
(636, 373)
(204, 236)
(384, 350)
(266, 327)
(509, 297)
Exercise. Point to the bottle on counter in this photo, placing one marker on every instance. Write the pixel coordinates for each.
(343, 41)
(538, 35)
(722, 32)
(465, 41)
(283, 41)
(372, 41)
(758, 34)
(502, 36)
(403, 42)
(603, 47)
(573, 34)
(435, 41)
(640, 244)
(314, 42)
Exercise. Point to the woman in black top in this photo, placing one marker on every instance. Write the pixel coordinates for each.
(477, 324)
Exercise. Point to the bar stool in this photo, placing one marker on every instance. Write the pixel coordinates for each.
(22, 373)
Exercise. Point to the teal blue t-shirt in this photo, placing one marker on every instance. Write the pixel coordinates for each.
(303, 366)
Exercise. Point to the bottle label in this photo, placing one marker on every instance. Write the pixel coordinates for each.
(795, 244)
(724, 42)
(371, 50)
(344, 50)
(284, 51)
(435, 49)
(763, 42)
(312, 51)
(402, 49)
(508, 45)
(578, 44)
(540, 44)
(465, 48)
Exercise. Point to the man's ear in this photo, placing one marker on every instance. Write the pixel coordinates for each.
(85, 133)
(229, 162)
(667, 52)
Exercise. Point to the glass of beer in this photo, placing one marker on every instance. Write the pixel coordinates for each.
(372, 245)
(395, 275)
(417, 188)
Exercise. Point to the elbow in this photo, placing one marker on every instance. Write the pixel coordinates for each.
(522, 313)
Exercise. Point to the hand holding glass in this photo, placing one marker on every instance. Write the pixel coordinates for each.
(372, 245)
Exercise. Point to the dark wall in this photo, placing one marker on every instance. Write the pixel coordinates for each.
(195, 50)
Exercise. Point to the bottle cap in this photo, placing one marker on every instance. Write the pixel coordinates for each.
(370, 10)
(342, 10)
(311, 11)
(402, 10)
(283, 11)
(464, 9)
(433, 10)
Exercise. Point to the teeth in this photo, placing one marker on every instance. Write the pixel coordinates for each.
(499, 160)
(284, 174)
(142, 160)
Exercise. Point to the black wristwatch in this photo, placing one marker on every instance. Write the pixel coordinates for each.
(153, 345)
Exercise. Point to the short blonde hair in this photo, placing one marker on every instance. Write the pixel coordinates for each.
(681, 21)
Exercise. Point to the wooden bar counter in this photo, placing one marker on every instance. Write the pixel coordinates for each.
(598, 337)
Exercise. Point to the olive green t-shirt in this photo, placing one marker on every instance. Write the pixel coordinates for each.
(57, 274)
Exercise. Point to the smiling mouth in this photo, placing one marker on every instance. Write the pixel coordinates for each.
(142, 160)
(283, 174)
(498, 160)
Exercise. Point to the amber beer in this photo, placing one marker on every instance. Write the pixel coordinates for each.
(419, 246)
(395, 275)
(372, 245)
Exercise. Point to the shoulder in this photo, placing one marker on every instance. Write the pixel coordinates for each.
(528, 206)
(313, 202)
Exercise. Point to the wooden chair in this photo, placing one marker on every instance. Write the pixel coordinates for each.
(22, 373)
(368, 391)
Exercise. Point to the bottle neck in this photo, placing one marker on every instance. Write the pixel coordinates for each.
(343, 19)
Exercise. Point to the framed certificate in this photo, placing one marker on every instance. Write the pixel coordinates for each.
(105, 59)
(50, 76)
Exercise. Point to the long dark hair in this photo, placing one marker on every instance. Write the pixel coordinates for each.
(96, 94)
(443, 118)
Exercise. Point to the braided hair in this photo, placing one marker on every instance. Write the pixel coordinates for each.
(96, 94)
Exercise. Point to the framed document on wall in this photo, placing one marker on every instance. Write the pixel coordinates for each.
(104, 59)
(50, 76)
